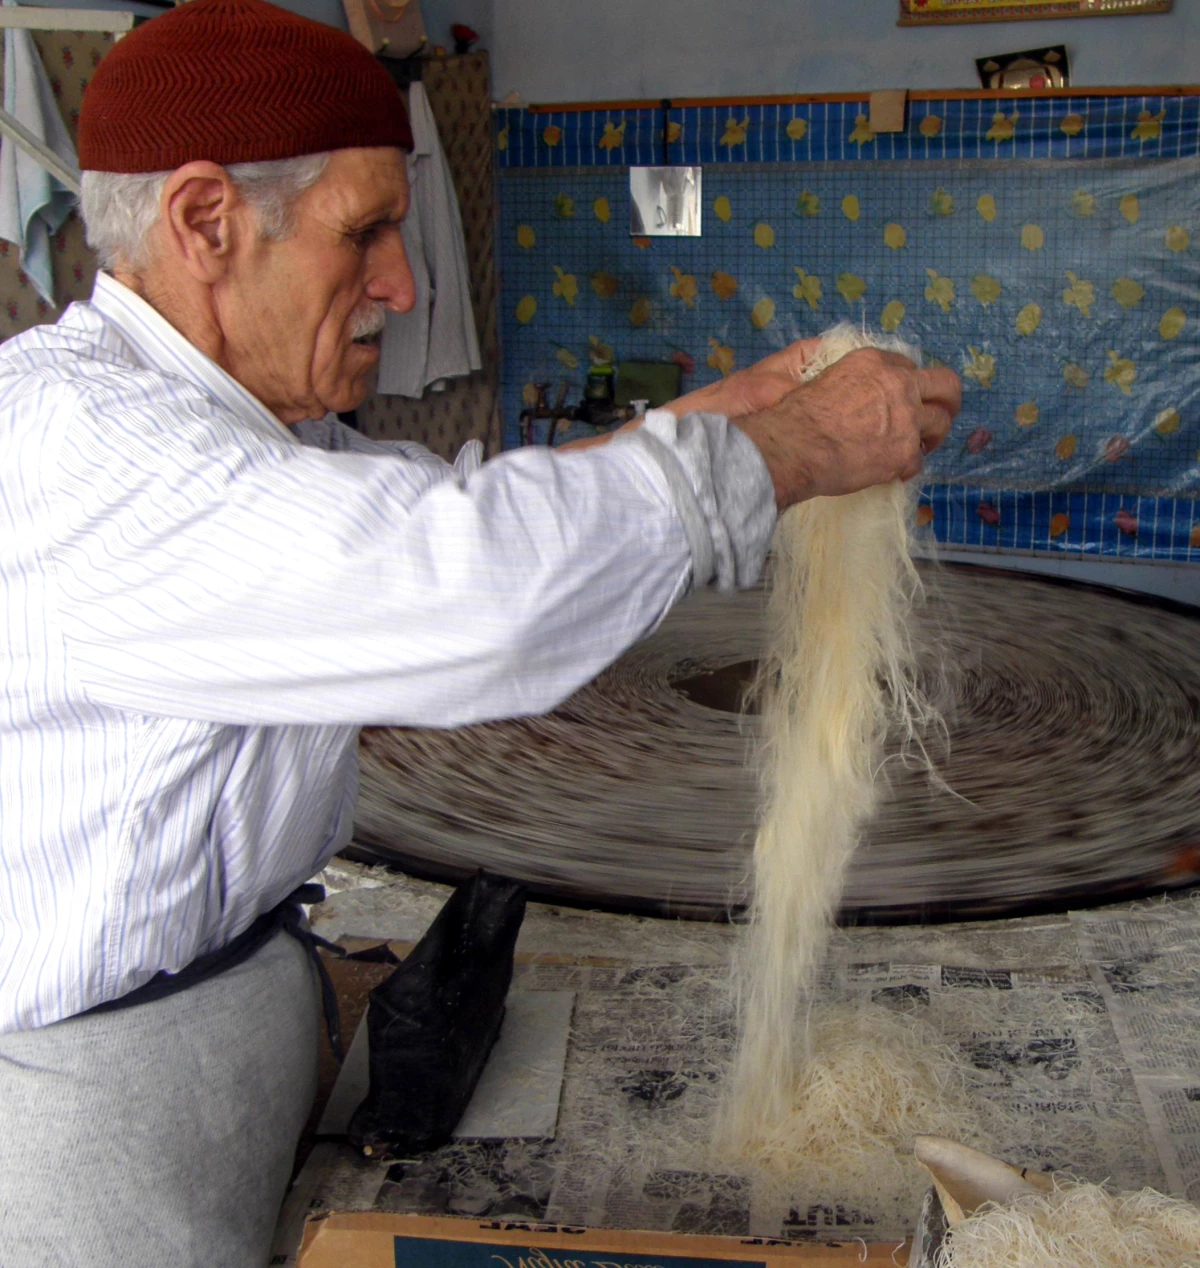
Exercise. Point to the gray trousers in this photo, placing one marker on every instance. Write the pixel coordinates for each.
(163, 1134)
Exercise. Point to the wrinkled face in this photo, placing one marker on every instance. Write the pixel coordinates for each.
(302, 319)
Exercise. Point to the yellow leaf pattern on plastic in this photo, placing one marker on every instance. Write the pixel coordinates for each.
(980, 366)
(684, 287)
(941, 203)
(1148, 126)
(1072, 124)
(1079, 294)
(529, 395)
(1029, 319)
(1177, 238)
(1168, 422)
(613, 138)
(735, 132)
(1003, 128)
(808, 288)
(1083, 203)
(808, 204)
(764, 235)
(526, 307)
(763, 313)
(1172, 324)
(986, 289)
(602, 211)
(797, 129)
(1027, 413)
(639, 313)
(502, 138)
(1065, 448)
(940, 290)
(724, 286)
(892, 315)
(862, 134)
(851, 287)
(723, 209)
(1059, 524)
(1120, 372)
(1130, 208)
(604, 284)
(1032, 237)
(526, 236)
(564, 206)
(674, 132)
(930, 126)
(850, 208)
(567, 359)
(599, 352)
(721, 357)
(552, 134)
(986, 206)
(566, 286)
(1076, 375)
(894, 236)
(1127, 292)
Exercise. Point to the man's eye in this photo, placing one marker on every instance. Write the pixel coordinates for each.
(364, 237)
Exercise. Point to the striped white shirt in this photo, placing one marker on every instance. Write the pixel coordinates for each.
(199, 610)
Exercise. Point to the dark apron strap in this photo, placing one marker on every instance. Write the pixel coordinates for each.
(289, 917)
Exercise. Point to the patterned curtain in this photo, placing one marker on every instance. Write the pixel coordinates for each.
(459, 95)
(70, 57)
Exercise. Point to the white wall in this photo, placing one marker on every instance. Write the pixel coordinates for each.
(592, 50)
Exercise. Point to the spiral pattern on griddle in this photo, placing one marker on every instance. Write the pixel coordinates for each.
(1073, 717)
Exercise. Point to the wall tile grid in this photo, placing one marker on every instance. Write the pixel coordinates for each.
(1047, 249)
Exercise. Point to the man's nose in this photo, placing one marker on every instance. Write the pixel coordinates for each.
(391, 277)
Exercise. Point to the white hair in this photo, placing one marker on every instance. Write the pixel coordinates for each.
(119, 209)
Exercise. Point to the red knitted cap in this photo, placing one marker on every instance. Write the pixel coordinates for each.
(234, 81)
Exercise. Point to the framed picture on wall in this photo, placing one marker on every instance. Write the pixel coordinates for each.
(941, 12)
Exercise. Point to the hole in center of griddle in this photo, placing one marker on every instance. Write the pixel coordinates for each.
(726, 689)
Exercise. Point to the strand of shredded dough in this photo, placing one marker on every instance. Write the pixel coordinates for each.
(1081, 1225)
(837, 673)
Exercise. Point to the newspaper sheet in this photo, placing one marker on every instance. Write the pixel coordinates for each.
(651, 1042)
(1144, 966)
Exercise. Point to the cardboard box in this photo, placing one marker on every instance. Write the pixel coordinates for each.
(373, 1240)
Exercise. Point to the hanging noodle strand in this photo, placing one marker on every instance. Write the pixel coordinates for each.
(838, 674)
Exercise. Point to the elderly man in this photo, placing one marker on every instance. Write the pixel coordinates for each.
(209, 584)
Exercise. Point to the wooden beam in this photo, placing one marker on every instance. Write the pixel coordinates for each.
(30, 17)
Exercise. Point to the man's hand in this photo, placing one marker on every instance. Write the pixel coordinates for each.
(868, 419)
(757, 388)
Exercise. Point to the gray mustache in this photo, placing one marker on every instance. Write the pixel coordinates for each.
(368, 320)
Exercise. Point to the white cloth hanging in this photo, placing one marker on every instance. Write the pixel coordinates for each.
(437, 339)
(33, 205)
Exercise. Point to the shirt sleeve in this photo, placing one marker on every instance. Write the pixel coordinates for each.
(206, 569)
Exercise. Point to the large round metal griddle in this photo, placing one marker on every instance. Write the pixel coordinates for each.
(1072, 770)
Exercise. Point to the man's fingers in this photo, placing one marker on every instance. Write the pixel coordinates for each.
(933, 422)
(940, 386)
(790, 361)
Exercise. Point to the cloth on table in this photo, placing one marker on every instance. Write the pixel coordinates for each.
(33, 204)
(437, 339)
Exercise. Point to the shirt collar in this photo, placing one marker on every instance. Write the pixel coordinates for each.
(162, 347)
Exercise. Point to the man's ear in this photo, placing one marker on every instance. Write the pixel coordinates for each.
(200, 217)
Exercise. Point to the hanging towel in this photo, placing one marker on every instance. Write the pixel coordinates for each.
(437, 339)
(33, 205)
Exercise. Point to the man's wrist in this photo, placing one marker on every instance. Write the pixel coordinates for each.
(791, 477)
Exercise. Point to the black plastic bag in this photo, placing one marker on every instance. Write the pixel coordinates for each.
(432, 1024)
